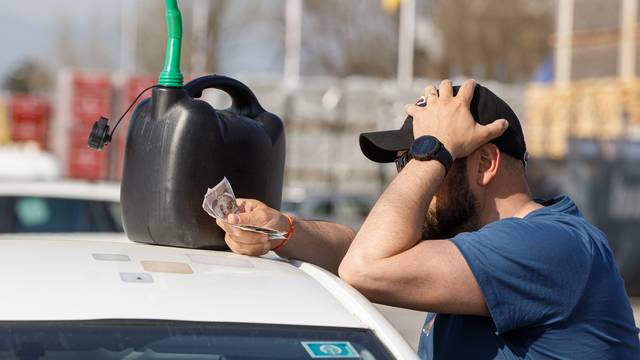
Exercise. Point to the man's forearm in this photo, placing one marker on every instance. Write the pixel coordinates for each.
(395, 223)
(319, 242)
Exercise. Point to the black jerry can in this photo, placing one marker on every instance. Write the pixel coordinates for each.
(178, 146)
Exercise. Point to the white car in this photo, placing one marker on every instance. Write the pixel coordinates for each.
(59, 206)
(110, 298)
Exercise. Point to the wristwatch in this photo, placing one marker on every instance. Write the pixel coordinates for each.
(427, 148)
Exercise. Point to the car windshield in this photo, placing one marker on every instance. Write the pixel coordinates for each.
(138, 340)
(33, 214)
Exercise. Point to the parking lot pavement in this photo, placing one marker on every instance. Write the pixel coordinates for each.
(409, 322)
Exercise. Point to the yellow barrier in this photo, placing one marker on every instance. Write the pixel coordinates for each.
(603, 109)
(5, 136)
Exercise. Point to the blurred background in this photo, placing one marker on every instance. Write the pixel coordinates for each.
(330, 69)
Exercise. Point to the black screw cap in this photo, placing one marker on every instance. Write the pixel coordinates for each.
(99, 136)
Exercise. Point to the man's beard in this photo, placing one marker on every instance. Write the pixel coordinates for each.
(456, 207)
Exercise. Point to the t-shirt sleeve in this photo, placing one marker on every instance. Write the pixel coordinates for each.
(531, 272)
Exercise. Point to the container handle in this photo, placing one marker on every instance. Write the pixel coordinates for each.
(243, 100)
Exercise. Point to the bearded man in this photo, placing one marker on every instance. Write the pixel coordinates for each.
(457, 234)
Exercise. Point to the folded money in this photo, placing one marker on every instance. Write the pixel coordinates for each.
(271, 233)
(220, 201)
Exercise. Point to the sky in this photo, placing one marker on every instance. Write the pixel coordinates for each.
(28, 31)
(27, 27)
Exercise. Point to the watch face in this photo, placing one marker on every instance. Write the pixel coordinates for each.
(424, 147)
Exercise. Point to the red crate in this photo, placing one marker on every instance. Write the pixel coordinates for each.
(29, 118)
(86, 163)
(89, 109)
(91, 97)
(79, 135)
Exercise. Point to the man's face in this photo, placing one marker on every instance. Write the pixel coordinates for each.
(454, 207)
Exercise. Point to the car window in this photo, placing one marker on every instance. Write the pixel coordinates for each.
(140, 340)
(58, 215)
(115, 214)
(32, 212)
(322, 209)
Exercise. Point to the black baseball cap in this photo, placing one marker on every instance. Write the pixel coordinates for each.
(485, 107)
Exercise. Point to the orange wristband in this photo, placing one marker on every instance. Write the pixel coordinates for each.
(292, 229)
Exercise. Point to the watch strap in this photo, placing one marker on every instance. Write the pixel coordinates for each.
(441, 154)
(445, 158)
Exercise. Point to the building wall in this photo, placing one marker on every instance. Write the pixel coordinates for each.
(596, 38)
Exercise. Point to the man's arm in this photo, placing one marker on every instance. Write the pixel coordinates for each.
(318, 242)
(390, 265)
(387, 261)
(321, 243)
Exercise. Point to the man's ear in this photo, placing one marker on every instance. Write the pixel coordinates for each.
(487, 160)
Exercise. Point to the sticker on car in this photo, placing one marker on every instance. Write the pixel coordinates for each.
(330, 350)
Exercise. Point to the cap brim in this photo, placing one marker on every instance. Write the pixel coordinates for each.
(383, 146)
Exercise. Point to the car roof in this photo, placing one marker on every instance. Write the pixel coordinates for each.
(173, 283)
(89, 277)
(68, 189)
(109, 277)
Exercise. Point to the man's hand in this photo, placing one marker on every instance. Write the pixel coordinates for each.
(253, 212)
(318, 242)
(448, 119)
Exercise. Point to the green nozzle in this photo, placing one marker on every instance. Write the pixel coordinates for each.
(171, 75)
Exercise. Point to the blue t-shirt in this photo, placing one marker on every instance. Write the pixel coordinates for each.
(551, 287)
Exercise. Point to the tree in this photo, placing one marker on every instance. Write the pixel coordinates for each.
(490, 39)
(28, 77)
(85, 44)
(355, 37)
(88, 45)
(214, 29)
(152, 35)
(65, 46)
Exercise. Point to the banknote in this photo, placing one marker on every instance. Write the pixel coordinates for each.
(220, 201)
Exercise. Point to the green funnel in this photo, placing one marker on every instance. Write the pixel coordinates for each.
(171, 75)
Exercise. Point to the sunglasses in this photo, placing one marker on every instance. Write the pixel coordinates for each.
(402, 160)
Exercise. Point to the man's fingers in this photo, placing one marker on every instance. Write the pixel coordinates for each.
(445, 90)
(248, 204)
(411, 109)
(223, 225)
(493, 130)
(256, 217)
(431, 94)
(242, 236)
(247, 237)
(234, 218)
(255, 249)
(233, 231)
(466, 91)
